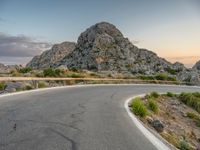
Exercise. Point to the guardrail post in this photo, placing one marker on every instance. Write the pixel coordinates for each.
(35, 84)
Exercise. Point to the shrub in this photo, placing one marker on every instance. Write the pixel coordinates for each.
(171, 138)
(94, 74)
(2, 86)
(191, 99)
(41, 85)
(15, 73)
(161, 77)
(28, 87)
(169, 94)
(49, 72)
(25, 70)
(164, 77)
(171, 71)
(169, 78)
(153, 106)
(154, 95)
(74, 69)
(196, 94)
(139, 108)
(146, 77)
(59, 72)
(193, 116)
(184, 145)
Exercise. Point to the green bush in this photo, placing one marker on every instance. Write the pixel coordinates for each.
(142, 77)
(153, 106)
(193, 116)
(41, 85)
(74, 69)
(171, 71)
(169, 94)
(169, 78)
(191, 99)
(164, 77)
(154, 95)
(15, 73)
(25, 70)
(2, 86)
(184, 145)
(161, 77)
(49, 72)
(139, 108)
(196, 94)
(75, 75)
(28, 87)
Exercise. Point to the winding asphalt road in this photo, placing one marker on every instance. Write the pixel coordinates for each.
(75, 118)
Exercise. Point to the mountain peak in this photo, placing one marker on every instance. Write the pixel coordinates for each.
(99, 29)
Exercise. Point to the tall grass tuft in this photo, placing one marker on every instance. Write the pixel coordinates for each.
(139, 108)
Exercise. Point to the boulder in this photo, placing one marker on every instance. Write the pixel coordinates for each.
(158, 125)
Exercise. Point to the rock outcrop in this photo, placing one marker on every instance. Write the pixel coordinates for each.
(50, 57)
(190, 76)
(197, 66)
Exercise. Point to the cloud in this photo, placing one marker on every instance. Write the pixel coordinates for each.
(21, 46)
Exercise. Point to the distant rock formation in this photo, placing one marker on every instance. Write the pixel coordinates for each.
(197, 66)
(5, 69)
(50, 57)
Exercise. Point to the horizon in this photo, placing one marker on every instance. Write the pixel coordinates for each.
(27, 28)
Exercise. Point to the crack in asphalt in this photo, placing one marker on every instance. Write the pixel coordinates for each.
(76, 116)
(72, 142)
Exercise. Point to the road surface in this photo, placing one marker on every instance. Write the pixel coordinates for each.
(78, 118)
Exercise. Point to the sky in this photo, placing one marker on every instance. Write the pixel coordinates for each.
(171, 28)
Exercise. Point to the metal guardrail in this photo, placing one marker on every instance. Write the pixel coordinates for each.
(67, 81)
(86, 79)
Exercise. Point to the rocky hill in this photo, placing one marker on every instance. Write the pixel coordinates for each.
(102, 47)
(50, 57)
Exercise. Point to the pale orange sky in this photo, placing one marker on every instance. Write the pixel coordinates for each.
(177, 41)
